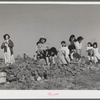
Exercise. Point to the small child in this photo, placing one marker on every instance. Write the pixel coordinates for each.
(79, 46)
(96, 52)
(52, 53)
(90, 51)
(64, 53)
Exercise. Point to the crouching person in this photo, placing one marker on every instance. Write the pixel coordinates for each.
(64, 54)
(43, 49)
(52, 54)
(8, 45)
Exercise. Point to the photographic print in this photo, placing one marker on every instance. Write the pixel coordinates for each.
(49, 47)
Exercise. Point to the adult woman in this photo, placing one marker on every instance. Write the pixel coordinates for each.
(72, 46)
(8, 45)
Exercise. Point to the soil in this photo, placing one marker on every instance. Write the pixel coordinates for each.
(28, 74)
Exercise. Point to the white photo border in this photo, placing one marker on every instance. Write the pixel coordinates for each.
(45, 94)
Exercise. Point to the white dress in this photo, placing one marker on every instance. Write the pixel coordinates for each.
(78, 47)
(9, 59)
(64, 55)
(7, 55)
(96, 53)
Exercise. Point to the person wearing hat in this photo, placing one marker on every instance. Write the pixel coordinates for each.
(8, 45)
(42, 40)
(43, 48)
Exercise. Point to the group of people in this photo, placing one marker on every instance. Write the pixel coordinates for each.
(93, 52)
(72, 52)
(66, 53)
(43, 50)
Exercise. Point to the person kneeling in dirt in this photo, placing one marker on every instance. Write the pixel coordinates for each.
(64, 54)
(90, 52)
(52, 54)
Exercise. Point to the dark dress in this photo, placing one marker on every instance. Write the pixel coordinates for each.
(71, 47)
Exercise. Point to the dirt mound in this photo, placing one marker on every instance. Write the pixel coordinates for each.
(28, 74)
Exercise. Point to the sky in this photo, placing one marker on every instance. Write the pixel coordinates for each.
(27, 23)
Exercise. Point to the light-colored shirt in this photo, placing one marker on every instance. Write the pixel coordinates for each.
(64, 50)
(89, 48)
(41, 47)
(78, 45)
(96, 51)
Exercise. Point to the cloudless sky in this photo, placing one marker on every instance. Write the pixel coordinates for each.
(27, 23)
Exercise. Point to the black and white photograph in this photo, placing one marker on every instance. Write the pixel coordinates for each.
(49, 47)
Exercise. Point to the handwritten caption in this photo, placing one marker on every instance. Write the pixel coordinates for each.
(53, 94)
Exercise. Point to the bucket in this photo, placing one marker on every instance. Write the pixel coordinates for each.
(3, 77)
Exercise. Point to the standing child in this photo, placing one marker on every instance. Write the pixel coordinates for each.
(8, 45)
(96, 52)
(90, 51)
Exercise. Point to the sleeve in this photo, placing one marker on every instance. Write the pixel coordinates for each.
(11, 44)
(37, 49)
(3, 45)
(87, 48)
(98, 50)
(76, 44)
